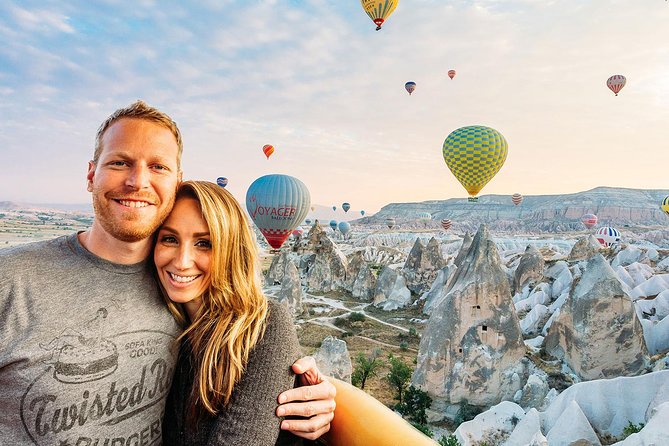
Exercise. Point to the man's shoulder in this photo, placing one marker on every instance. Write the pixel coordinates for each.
(33, 251)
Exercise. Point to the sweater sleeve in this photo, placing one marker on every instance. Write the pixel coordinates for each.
(250, 417)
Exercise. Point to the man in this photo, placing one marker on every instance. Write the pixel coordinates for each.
(87, 351)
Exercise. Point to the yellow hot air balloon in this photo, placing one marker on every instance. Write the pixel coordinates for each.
(475, 154)
(379, 10)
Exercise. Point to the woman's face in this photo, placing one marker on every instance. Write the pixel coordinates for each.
(183, 252)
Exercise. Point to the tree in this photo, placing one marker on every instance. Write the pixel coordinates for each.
(398, 376)
(365, 367)
(414, 405)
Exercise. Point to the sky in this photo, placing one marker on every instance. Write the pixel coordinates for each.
(314, 79)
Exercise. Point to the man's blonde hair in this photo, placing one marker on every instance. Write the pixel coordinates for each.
(139, 110)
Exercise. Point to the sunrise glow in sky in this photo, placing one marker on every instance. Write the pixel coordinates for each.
(314, 79)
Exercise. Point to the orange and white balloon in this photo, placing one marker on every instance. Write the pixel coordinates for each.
(268, 149)
(517, 198)
(446, 224)
(451, 73)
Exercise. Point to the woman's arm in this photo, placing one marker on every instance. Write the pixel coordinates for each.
(249, 418)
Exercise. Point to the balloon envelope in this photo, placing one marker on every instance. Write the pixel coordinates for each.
(390, 222)
(277, 204)
(297, 231)
(424, 216)
(474, 154)
(451, 73)
(516, 199)
(608, 236)
(334, 208)
(222, 181)
(616, 83)
(379, 10)
(308, 221)
(589, 220)
(362, 213)
(346, 207)
(268, 150)
(410, 87)
(446, 224)
(344, 227)
(333, 224)
(665, 205)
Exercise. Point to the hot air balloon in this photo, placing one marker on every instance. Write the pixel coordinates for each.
(451, 73)
(346, 207)
(665, 205)
(334, 208)
(390, 222)
(222, 181)
(474, 154)
(277, 204)
(607, 236)
(410, 87)
(362, 213)
(424, 216)
(516, 198)
(446, 224)
(267, 150)
(344, 227)
(308, 221)
(589, 220)
(333, 224)
(379, 10)
(616, 83)
(312, 208)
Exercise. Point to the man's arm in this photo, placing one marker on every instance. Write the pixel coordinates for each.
(315, 400)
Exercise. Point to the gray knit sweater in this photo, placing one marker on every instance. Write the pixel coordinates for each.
(249, 419)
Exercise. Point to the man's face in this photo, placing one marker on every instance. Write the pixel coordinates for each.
(135, 179)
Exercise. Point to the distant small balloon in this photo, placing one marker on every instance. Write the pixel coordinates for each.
(516, 199)
(410, 87)
(344, 227)
(362, 213)
(424, 216)
(589, 220)
(268, 150)
(451, 73)
(390, 222)
(308, 221)
(334, 208)
(333, 224)
(608, 236)
(222, 181)
(297, 232)
(616, 83)
(446, 224)
(346, 207)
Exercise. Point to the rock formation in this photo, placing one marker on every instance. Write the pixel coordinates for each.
(464, 248)
(436, 294)
(334, 360)
(472, 346)
(291, 292)
(584, 248)
(530, 269)
(391, 292)
(360, 280)
(422, 265)
(278, 267)
(597, 333)
(328, 271)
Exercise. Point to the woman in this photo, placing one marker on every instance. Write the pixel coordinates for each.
(237, 346)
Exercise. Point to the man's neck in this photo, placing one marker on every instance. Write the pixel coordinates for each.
(99, 242)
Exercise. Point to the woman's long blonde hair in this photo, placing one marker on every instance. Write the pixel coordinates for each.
(231, 319)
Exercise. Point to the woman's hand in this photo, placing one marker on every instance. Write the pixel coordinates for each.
(314, 400)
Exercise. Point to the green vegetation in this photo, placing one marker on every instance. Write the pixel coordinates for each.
(356, 317)
(632, 428)
(423, 428)
(414, 405)
(365, 367)
(398, 377)
(466, 412)
(449, 441)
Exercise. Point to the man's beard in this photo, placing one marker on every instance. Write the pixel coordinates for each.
(136, 230)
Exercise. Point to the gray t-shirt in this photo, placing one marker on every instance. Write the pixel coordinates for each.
(86, 348)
